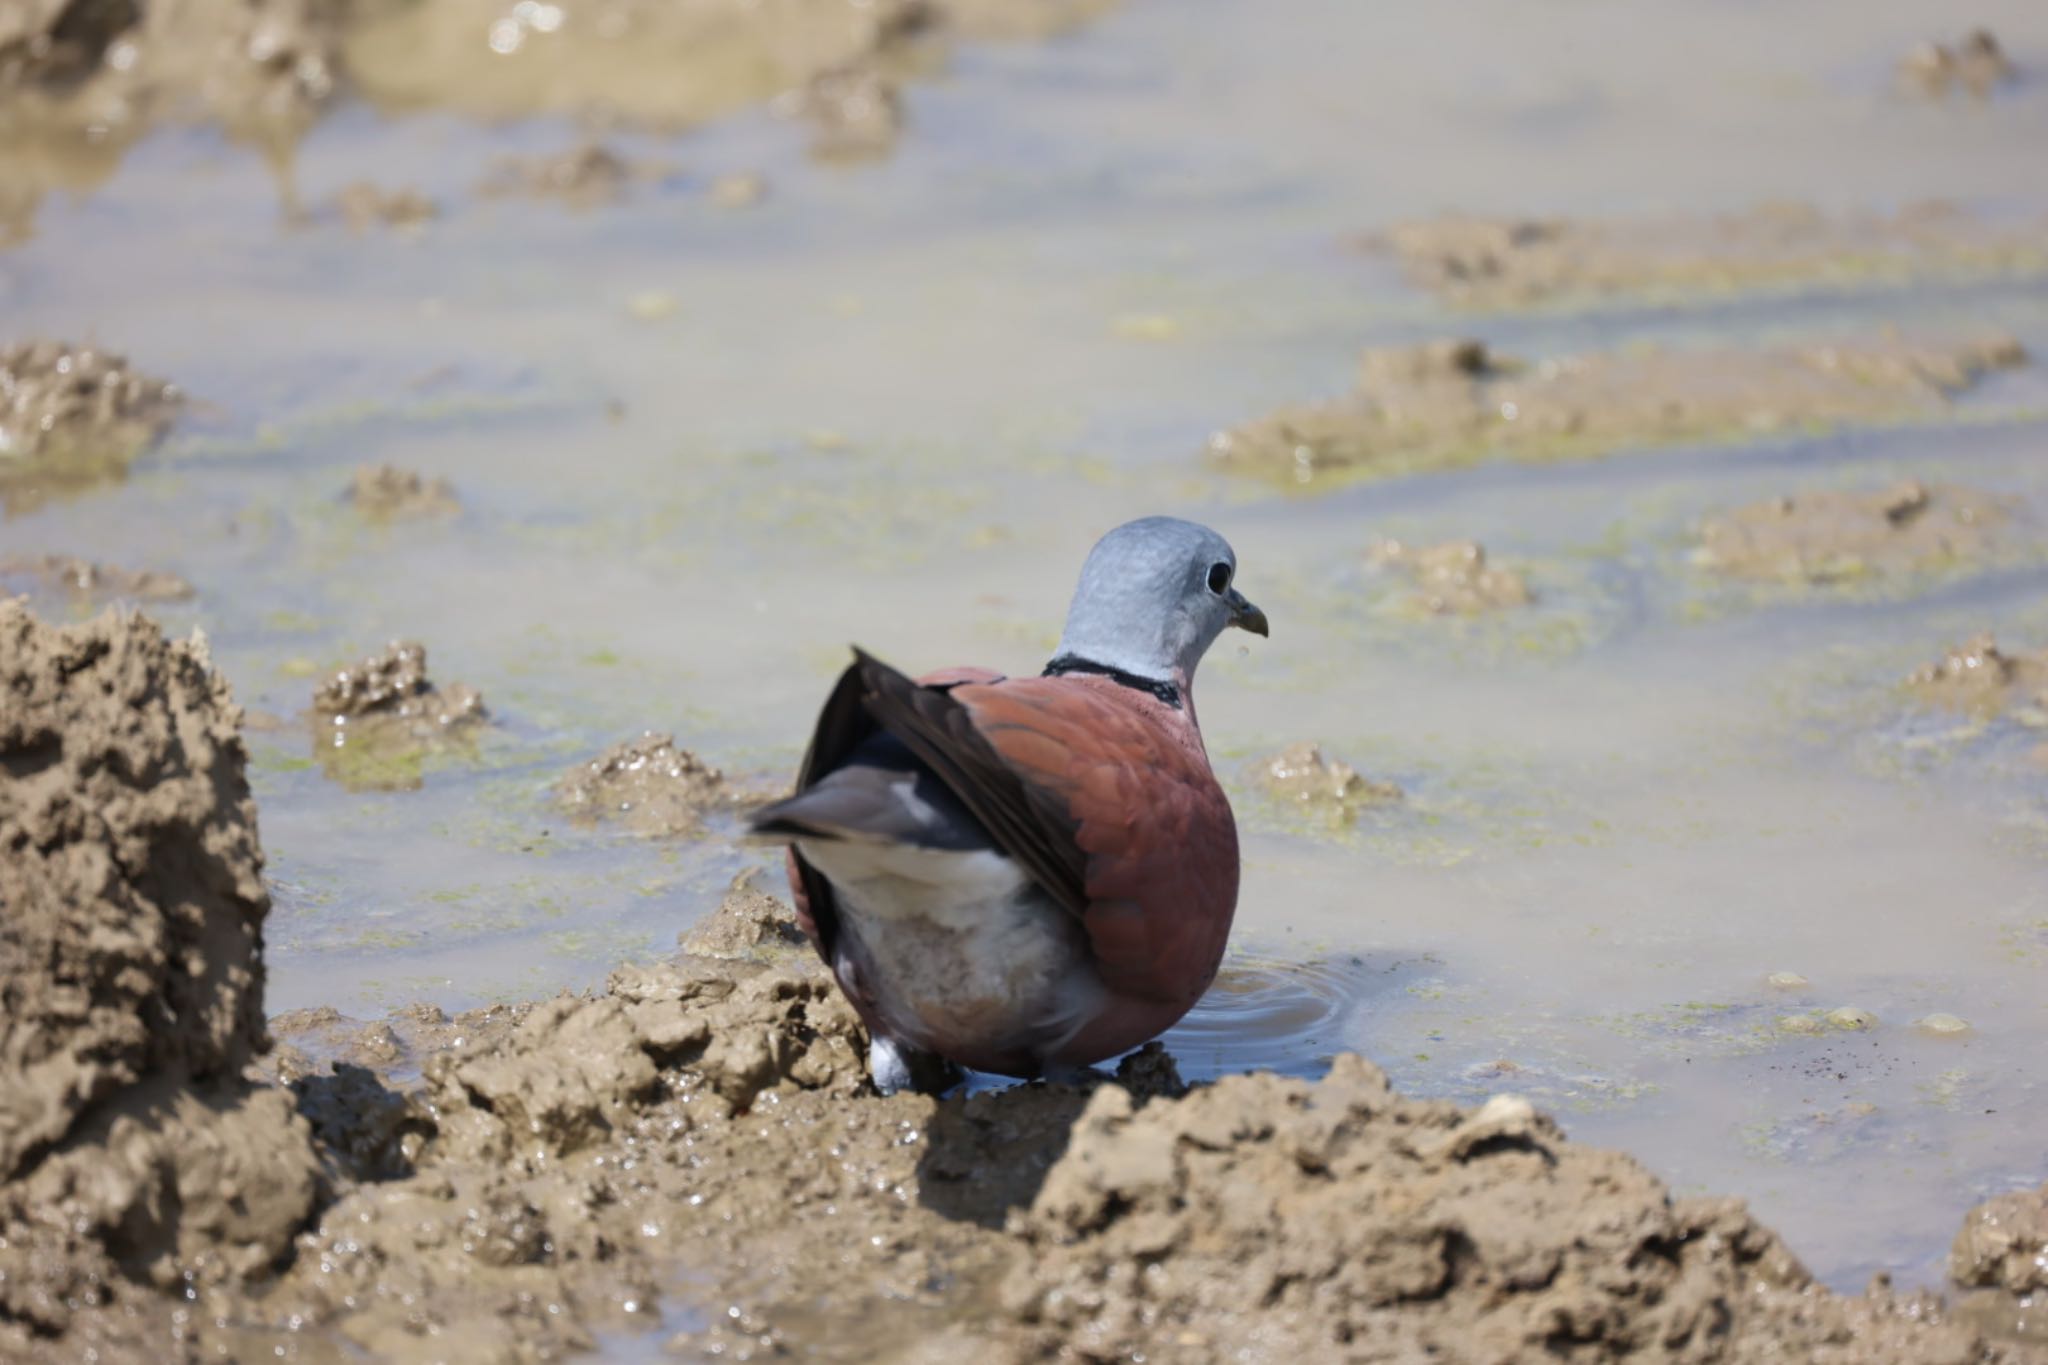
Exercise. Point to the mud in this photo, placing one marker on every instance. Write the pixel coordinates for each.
(1299, 776)
(1976, 66)
(385, 492)
(1453, 578)
(377, 723)
(1449, 404)
(698, 1145)
(132, 1153)
(90, 580)
(365, 206)
(1983, 680)
(582, 177)
(72, 417)
(82, 81)
(1830, 536)
(1522, 262)
(648, 785)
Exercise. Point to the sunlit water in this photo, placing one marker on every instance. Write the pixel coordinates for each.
(894, 404)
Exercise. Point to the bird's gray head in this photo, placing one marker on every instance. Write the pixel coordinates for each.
(1154, 595)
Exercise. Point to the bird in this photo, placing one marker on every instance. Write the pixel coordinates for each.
(1027, 875)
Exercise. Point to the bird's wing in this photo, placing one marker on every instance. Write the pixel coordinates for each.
(1101, 797)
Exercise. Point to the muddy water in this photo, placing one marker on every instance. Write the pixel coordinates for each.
(698, 448)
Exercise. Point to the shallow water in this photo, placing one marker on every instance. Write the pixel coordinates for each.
(894, 404)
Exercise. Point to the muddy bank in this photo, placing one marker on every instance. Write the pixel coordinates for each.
(647, 785)
(80, 82)
(377, 723)
(72, 417)
(1829, 536)
(1520, 262)
(697, 1145)
(1453, 578)
(133, 1157)
(1447, 404)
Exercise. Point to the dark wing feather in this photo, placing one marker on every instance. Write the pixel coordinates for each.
(842, 725)
(1031, 825)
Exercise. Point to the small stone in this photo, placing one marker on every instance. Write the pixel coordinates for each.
(1785, 981)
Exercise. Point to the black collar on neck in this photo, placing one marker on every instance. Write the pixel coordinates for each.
(1074, 663)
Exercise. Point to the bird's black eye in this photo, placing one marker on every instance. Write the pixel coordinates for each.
(1219, 578)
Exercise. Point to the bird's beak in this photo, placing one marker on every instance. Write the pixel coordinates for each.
(1244, 615)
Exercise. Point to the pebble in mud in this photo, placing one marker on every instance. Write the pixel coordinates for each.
(649, 785)
(1453, 578)
(1830, 536)
(1977, 65)
(71, 417)
(1301, 776)
(376, 722)
(384, 492)
(1453, 403)
(91, 579)
(1981, 678)
(1523, 262)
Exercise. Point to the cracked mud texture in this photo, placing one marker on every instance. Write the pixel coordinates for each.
(385, 492)
(72, 417)
(1300, 776)
(90, 579)
(1523, 262)
(1452, 578)
(1977, 66)
(132, 904)
(648, 785)
(1452, 403)
(82, 80)
(1984, 680)
(376, 723)
(1831, 536)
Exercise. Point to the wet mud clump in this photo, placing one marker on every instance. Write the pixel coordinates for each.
(378, 722)
(132, 1152)
(648, 785)
(72, 417)
(1453, 578)
(1522, 262)
(583, 177)
(1977, 65)
(383, 492)
(94, 581)
(749, 923)
(1300, 777)
(1984, 680)
(1448, 404)
(365, 206)
(2002, 1254)
(1831, 537)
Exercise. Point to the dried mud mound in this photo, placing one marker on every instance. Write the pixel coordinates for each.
(131, 982)
(72, 417)
(91, 580)
(1265, 1218)
(1522, 262)
(1454, 578)
(1982, 678)
(1452, 403)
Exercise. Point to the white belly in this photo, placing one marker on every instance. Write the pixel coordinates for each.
(958, 948)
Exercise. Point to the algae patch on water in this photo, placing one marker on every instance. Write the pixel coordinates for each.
(1449, 404)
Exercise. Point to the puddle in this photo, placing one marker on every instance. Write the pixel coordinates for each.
(648, 461)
